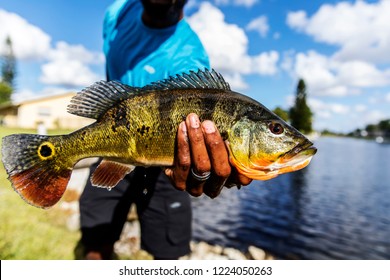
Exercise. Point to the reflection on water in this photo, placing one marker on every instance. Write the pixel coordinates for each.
(337, 208)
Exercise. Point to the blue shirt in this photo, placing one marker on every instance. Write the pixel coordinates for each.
(138, 55)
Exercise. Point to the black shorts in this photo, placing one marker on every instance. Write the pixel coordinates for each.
(164, 213)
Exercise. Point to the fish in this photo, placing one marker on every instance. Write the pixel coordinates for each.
(137, 126)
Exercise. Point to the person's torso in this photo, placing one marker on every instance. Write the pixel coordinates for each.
(138, 55)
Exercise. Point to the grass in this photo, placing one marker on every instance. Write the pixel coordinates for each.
(29, 233)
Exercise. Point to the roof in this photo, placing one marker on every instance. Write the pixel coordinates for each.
(44, 98)
(36, 99)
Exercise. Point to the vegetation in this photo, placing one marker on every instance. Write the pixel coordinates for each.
(281, 113)
(382, 128)
(5, 92)
(8, 73)
(27, 232)
(300, 114)
(327, 132)
(30, 233)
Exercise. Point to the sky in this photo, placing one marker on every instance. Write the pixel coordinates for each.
(262, 47)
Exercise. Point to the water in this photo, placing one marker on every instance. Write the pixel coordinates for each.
(336, 208)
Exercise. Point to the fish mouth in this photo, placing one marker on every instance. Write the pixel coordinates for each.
(305, 148)
(295, 159)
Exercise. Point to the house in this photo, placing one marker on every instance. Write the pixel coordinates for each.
(49, 111)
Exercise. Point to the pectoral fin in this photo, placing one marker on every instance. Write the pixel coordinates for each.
(109, 173)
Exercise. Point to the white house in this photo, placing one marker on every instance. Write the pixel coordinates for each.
(49, 111)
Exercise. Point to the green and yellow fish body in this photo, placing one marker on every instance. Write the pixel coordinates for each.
(138, 127)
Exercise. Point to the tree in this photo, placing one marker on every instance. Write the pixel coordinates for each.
(8, 72)
(281, 113)
(371, 128)
(5, 93)
(384, 125)
(300, 113)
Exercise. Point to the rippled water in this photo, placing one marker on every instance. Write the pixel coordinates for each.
(337, 208)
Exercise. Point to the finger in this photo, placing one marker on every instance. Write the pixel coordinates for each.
(243, 180)
(219, 159)
(237, 180)
(199, 157)
(179, 172)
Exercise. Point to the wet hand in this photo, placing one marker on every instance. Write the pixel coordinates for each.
(202, 160)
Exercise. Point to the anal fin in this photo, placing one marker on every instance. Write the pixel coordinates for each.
(109, 173)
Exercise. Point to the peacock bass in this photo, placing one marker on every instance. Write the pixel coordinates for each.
(138, 126)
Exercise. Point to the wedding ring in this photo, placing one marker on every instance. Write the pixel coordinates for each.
(200, 178)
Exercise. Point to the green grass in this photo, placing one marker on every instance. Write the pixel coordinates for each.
(27, 232)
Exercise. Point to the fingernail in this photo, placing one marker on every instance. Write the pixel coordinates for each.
(209, 127)
(194, 121)
(183, 128)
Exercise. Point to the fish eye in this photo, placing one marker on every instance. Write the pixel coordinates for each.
(276, 128)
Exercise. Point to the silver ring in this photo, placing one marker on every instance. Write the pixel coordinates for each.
(200, 178)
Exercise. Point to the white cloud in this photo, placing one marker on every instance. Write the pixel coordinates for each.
(67, 73)
(315, 69)
(360, 108)
(246, 3)
(64, 51)
(225, 43)
(235, 80)
(65, 64)
(28, 41)
(319, 107)
(227, 46)
(360, 29)
(319, 73)
(330, 115)
(360, 64)
(339, 109)
(297, 20)
(265, 63)
(343, 118)
(326, 76)
(24, 94)
(362, 74)
(260, 25)
(68, 65)
(276, 35)
(374, 116)
(387, 97)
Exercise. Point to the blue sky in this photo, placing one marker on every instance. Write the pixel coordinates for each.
(262, 47)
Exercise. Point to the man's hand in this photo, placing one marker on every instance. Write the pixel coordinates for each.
(202, 160)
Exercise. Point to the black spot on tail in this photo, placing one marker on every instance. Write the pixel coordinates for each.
(45, 151)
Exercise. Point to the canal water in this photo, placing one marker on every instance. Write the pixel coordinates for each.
(336, 208)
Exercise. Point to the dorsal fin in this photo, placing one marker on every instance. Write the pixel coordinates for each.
(95, 100)
(204, 79)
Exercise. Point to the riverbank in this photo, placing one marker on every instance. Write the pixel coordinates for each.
(128, 247)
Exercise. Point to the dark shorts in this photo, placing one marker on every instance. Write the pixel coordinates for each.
(164, 213)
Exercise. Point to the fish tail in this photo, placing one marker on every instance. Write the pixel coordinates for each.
(36, 169)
